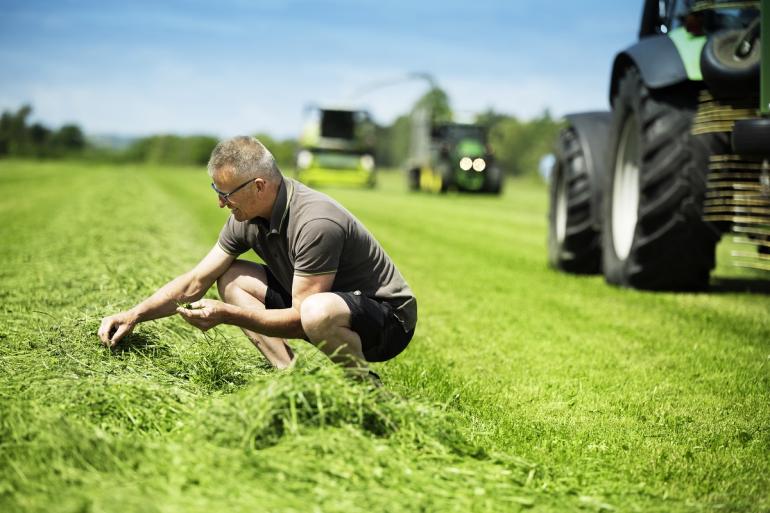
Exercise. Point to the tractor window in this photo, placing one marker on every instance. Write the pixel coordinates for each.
(709, 15)
(453, 133)
(678, 11)
(457, 132)
(338, 124)
(438, 131)
(734, 18)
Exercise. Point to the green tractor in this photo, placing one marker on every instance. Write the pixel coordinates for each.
(337, 148)
(643, 193)
(450, 156)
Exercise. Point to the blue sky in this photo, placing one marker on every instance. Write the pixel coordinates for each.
(236, 66)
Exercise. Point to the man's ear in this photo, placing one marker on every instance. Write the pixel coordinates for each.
(260, 184)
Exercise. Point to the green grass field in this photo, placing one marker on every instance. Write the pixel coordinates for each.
(523, 389)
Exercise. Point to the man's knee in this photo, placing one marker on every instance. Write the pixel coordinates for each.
(241, 275)
(321, 313)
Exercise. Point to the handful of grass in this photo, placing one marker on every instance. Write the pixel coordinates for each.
(189, 306)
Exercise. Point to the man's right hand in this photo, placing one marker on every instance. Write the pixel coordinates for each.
(115, 327)
(189, 286)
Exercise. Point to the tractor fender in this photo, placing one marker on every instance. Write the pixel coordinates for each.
(593, 130)
(658, 60)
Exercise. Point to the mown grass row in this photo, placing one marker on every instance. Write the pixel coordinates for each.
(523, 388)
(174, 420)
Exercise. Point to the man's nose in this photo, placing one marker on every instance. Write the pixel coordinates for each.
(222, 202)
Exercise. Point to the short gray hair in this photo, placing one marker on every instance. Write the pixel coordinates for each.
(247, 157)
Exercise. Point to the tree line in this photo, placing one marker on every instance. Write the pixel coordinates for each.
(517, 144)
(20, 138)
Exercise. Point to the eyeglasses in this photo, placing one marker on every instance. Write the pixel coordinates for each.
(225, 196)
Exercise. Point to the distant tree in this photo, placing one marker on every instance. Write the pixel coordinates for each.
(5, 133)
(284, 150)
(39, 138)
(505, 139)
(437, 102)
(392, 144)
(199, 148)
(191, 150)
(68, 139)
(14, 135)
(19, 139)
(519, 145)
(138, 150)
(490, 118)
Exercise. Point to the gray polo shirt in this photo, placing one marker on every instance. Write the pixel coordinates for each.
(308, 234)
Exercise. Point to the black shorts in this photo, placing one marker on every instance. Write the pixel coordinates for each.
(382, 334)
(276, 297)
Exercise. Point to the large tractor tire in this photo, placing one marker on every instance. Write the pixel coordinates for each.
(653, 235)
(445, 171)
(413, 179)
(493, 181)
(573, 240)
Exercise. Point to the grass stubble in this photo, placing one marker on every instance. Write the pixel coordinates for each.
(523, 389)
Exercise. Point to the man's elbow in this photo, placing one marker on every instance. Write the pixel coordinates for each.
(195, 288)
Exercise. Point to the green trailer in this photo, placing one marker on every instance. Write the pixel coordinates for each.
(643, 193)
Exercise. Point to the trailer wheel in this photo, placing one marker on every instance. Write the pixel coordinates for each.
(413, 179)
(652, 230)
(444, 171)
(493, 180)
(573, 241)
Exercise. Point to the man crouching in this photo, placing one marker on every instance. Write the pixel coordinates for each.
(325, 278)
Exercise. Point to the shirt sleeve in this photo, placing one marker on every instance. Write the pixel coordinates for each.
(232, 238)
(318, 247)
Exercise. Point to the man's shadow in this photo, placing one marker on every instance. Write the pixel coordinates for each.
(739, 285)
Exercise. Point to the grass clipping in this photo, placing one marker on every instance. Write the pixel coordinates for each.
(190, 423)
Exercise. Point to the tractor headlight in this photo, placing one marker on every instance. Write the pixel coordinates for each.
(466, 163)
(304, 159)
(479, 165)
(367, 162)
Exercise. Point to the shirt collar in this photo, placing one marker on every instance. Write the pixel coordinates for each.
(281, 206)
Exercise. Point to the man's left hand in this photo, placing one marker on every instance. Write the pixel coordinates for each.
(204, 314)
